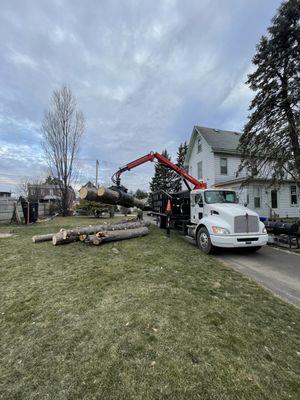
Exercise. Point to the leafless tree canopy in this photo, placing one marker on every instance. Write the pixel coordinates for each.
(62, 128)
(22, 188)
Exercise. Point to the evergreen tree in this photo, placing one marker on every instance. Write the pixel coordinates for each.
(140, 194)
(52, 180)
(181, 152)
(271, 140)
(163, 176)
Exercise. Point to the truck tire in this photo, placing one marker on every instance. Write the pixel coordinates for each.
(162, 222)
(204, 242)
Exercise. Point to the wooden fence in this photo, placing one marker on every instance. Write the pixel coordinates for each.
(7, 209)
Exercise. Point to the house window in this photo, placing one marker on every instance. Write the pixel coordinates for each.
(199, 144)
(223, 166)
(294, 199)
(274, 200)
(257, 197)
(199, 168)
(254, 170)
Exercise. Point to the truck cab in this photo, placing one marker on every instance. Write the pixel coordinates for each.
(217, 220)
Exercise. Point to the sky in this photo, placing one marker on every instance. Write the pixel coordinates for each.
(143, 73)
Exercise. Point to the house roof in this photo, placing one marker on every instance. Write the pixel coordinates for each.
(89, 184)
(220, 141)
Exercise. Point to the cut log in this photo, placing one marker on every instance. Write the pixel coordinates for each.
(42, 238)
(88, 230)
(109, 196)
(100, 234)
(111, 236)
(59, 239)
(88, 194)
(118, 197)
(124, 234)
(92, 239)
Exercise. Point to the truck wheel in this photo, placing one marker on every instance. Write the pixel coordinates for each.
(162, 222)
(204, 242)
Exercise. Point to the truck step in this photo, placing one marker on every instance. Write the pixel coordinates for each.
(189, 239)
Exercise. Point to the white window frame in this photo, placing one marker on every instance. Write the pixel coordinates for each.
(221, 166)
(294, 194)
(199, 144)
(259, 191)
(200, 163)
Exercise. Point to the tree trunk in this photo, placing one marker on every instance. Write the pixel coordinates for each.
(42, 238)
(109, 196)
(119, 197)
(101, 228)
(58, 239)
(88, 194)
(103, 237)
(92, 239)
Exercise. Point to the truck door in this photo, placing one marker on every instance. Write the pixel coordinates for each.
(196, 207)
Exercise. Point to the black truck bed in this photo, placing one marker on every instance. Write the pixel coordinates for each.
(180, 205)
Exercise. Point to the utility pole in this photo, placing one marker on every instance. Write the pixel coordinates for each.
(97, 167)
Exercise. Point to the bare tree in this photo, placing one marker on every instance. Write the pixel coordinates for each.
(29, 188)
(62, 128)
(21, 187)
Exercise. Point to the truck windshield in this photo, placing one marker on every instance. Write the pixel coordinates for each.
(219, 196)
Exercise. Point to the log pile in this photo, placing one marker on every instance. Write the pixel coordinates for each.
(109, 196)
(97, 234)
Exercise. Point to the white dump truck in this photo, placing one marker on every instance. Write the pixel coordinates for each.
(212, 217)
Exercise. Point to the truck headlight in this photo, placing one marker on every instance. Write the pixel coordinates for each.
(264, 230)
(217, 230)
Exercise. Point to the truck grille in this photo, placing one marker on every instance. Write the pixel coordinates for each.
(246, 224)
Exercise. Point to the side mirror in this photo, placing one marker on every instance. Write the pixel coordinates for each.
(245, 204)
(201, 204)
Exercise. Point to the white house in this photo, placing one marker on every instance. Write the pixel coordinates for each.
(213, 156)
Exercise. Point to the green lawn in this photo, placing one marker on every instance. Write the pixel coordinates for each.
(155, 320)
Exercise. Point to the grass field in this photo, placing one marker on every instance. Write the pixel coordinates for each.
(154, 319)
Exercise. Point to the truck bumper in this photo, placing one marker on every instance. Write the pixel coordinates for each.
(239, 241)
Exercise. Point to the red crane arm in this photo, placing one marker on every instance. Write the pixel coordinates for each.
(198, 184)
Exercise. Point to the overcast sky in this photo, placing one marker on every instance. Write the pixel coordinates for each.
(143, 72)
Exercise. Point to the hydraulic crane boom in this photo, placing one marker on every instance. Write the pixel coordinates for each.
(198, 184)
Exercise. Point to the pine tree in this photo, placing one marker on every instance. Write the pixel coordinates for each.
(181, 153)
(163, 176)
(271, 140)
(140, 194)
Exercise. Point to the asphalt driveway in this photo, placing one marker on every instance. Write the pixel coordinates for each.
(277, 270)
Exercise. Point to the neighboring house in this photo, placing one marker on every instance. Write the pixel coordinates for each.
(44, 192)
(213, 156)
(5, 194)
(88, 185)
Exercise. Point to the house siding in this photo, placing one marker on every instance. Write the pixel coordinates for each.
(208, 165)
(233, 163)
(284, 209)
